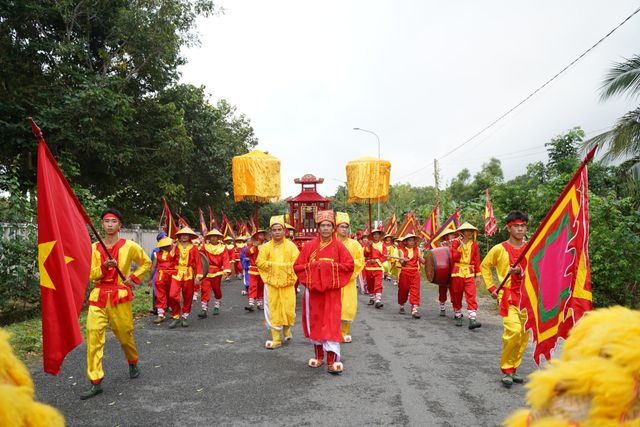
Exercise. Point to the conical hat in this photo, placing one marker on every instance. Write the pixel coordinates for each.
(467, 226)
(290, 227)
(214, 232)
(186, 230)
(448, 231)
(406, 236)
(165, 241)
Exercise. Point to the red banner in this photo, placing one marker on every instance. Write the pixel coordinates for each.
(64, 259)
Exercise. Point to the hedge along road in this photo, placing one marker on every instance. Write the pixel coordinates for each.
(398, 370)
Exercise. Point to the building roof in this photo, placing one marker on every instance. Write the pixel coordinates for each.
(309, 196)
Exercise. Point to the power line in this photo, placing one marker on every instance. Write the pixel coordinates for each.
(543, 86)
(571, 64)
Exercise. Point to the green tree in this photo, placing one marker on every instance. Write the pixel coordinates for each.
(624, 139)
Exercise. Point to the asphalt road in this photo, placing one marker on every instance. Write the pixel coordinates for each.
(398, 370)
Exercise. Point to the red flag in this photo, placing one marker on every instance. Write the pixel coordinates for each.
(490, 226)
(226, 226)
(392, 225)
(430, 226)
(169, 226)
(203, 224)
(64, 259)
(212, 220)
(453, 222)
(181, 222)
(556, 290)
(252, 225)
(408, 226)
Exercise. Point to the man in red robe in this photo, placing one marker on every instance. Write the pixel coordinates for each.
(323, 268)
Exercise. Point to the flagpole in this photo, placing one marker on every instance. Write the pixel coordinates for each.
(38, 133)
(584, 163)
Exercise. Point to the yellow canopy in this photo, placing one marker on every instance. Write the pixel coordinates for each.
(368, 180)
(256, 177)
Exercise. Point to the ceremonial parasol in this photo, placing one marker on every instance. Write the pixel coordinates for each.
(256, 178)
(368, 181)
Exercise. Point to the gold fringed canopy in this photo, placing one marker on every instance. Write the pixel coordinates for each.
(256, 177)
(368, 180)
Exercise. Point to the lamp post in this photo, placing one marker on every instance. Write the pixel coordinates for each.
(378, 138)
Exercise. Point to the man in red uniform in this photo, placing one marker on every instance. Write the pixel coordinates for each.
(375, 255)
(256, 285)
(188, 273)
(218, 259)
(409, 280)
(324, 267)
(465, 274)
(164, 262)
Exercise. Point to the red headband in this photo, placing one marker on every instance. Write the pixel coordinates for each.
(516, 222)
(110, 216)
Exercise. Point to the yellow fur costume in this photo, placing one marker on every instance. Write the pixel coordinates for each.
(596, 381)
(17, 407)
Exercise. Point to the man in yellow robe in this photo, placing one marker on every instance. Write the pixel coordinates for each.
(110, 301)
(350, 291)
(275, 264)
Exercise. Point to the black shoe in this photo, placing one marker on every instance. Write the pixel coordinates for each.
(371, 301)
(379, 304)
(250, 307)
(216, 311)
(93, 390)
(517, 378)
(185, 324)
(442, 313)
(202, 314)
(459, 321)
(507, 380)
(174, 323)
(134, 371)
(402, 310)
(473, 324)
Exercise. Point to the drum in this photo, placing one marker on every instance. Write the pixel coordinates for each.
(437, 266)
(205, 264)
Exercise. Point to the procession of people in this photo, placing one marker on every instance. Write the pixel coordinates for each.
(274, 268)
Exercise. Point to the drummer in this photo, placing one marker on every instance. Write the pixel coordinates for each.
(447, 238)
(465, 274)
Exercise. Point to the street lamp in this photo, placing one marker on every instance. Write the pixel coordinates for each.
(378, 138)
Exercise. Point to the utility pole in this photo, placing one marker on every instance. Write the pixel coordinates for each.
(436, 176)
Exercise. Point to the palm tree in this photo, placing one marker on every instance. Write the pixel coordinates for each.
(623, 140)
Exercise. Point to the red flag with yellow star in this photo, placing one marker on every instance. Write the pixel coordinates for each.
(64, 259)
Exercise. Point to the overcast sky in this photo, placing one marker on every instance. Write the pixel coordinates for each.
(424, 75)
